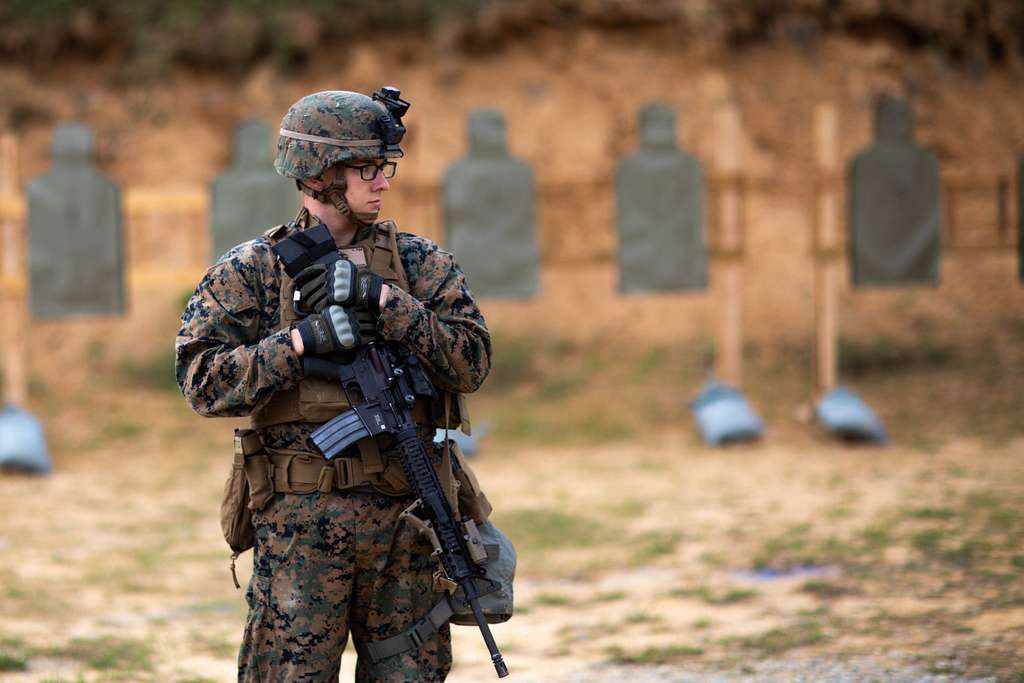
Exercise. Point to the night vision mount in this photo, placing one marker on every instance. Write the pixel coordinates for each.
(391, 128)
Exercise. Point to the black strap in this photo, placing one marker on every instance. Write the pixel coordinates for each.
(304, 248)
(412, 637)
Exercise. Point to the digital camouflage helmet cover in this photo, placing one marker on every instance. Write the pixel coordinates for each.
(339, 127)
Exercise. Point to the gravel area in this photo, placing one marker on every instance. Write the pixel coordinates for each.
(865, 669)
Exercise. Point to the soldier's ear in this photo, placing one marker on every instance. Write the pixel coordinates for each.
(317, 184)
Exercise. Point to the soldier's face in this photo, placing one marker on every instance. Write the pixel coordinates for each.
(364, 196)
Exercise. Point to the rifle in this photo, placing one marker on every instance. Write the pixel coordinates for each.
(391, 382)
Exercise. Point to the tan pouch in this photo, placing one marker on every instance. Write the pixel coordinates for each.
(235, 517)
(238, 500)
(257, 473)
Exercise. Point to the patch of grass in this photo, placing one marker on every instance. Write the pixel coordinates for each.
(108, 653)
(120, 430)
(95, 352)
(665, 654)
(730, 596)
(876, 538)
(791, 548)
(967, 552)
(927, 541)
(642, 617)
(218, 646)
(823, 589)
(946, 668)
(512, 360)
(552, 600)
(627, 507)
(558, 387)
(538, 529)
(609, 596)
(711, 559)
(1006, 519)
(981, 499)
(549, 428)
(703, 623)
(12, 662)
(886, 354)
(778, 640)
(155, 372)
(839, 512)
(595, 428)
(653, 545)
(931, 513)
(652, 359)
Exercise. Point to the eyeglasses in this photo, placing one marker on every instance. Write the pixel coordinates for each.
(370, 171)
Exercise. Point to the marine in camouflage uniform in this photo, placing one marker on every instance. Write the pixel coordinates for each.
(334, 563)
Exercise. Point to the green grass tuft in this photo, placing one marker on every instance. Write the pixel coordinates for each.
(778, 640)
(665, 654)
(155, 372)
(548, 529)
(12, 662)
(108, 653)
(927, 541)
(552, 600)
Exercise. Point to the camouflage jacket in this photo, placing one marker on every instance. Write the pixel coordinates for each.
(230, 359)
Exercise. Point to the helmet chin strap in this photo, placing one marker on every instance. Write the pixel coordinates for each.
(334, 194)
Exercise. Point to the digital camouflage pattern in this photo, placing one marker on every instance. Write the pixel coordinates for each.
(317, 555)
(336, 114)
(231, 357)
(327, 564)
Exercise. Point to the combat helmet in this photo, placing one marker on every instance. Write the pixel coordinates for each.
(339, 127)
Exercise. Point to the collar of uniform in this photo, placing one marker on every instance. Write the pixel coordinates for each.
(364, 233)
(304, 220)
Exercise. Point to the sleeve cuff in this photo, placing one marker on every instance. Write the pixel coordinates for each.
(401, 313)
(280, 360)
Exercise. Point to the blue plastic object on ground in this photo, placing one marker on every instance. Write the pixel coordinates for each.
(845, 414)
(469, 445)
(724, 416)
(22, 444)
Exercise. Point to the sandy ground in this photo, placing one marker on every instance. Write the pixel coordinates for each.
(638, 559)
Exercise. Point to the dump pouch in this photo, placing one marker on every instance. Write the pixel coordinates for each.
(501, 569)
(235, 518)
(246, 489)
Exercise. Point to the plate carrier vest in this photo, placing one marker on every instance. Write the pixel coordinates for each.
(316, 399)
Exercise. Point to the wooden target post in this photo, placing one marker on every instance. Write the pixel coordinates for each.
(827, 249)
(728, 247)
(13, 289)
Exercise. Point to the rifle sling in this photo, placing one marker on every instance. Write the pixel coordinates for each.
(412, 637)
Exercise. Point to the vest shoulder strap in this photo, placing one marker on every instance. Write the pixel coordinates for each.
(385, 258)
(277, 233)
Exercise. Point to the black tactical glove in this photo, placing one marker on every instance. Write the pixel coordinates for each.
(333, 329)
(340, 282)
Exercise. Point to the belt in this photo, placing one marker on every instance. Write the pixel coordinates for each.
(303, 473)
(307, 472)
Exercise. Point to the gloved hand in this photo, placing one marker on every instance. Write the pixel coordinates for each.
(333, 329)
(340, 282)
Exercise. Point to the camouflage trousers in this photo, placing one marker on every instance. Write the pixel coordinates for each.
(329, 564)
